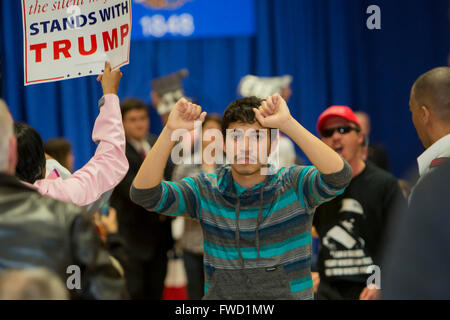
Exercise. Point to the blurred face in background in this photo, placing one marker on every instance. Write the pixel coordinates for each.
(70, 160)
(286, 93)
(364, 121)
(345, 139)
(210, 124)
(136, 124)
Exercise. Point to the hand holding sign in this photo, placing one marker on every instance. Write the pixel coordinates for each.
(110, 79)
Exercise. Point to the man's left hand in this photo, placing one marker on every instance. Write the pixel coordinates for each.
(273, 113)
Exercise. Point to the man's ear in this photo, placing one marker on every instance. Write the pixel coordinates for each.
(425, 115)
(360, 137)
(12, 155)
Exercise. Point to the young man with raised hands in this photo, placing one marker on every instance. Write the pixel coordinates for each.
(256, 226)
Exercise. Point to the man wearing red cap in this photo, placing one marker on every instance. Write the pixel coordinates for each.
(351, 227)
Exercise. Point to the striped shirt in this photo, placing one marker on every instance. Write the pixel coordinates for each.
(256, 245)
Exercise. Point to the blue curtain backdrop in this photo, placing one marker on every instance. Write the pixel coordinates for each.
(325, 45)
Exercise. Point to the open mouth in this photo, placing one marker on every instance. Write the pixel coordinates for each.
(338, 149)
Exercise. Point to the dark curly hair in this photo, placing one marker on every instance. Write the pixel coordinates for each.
(30, 152)
(240, 110)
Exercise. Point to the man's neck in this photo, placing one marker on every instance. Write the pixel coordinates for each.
(358, 166)
(209, 168)
(247, 181)
(438, 135)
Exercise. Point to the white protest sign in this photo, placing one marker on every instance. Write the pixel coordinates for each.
(66, 39)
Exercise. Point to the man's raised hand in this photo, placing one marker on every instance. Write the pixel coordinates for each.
(273, 112)
(110, 79)
(183, 115)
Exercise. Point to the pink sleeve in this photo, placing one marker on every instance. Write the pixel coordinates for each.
(104, 170)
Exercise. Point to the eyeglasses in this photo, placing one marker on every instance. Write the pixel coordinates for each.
(326, 133)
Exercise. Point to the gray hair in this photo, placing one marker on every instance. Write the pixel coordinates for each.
(32, 284)
(6, 132)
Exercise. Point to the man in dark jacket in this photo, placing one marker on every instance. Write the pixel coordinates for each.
(147, 236)
(418, 262)
(36, 231)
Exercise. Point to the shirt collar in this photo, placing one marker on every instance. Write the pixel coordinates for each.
(226, 183)
(138, 145)
(440, 148)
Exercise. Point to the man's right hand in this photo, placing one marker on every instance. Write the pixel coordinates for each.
(183, 115)
(110, 79)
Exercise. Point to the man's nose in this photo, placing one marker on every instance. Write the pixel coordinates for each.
(336, 135)
(243, 144)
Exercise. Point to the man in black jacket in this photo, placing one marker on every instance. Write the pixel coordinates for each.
(147, 236)
(417, 263)
(36, 231)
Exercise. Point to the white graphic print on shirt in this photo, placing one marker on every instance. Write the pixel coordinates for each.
(346, 250)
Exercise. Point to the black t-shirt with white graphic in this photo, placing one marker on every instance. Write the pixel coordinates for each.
(352, 226)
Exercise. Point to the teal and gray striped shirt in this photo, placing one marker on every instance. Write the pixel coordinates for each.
(257, 244)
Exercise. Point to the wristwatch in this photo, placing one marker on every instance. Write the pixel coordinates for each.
(101, 102)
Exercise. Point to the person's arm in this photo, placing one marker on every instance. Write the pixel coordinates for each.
(330, 173)
(182, 116)
(148, 188)
(274, 113)
(109, 233)
(109, 165)
(314, 188)
(100, 279)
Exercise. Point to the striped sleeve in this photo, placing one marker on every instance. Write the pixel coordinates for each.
(314, 188)
(178, 198)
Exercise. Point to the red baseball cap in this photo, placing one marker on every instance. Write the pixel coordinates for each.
(336, 111)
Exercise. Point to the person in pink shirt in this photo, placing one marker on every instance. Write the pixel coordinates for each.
(104, 170)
